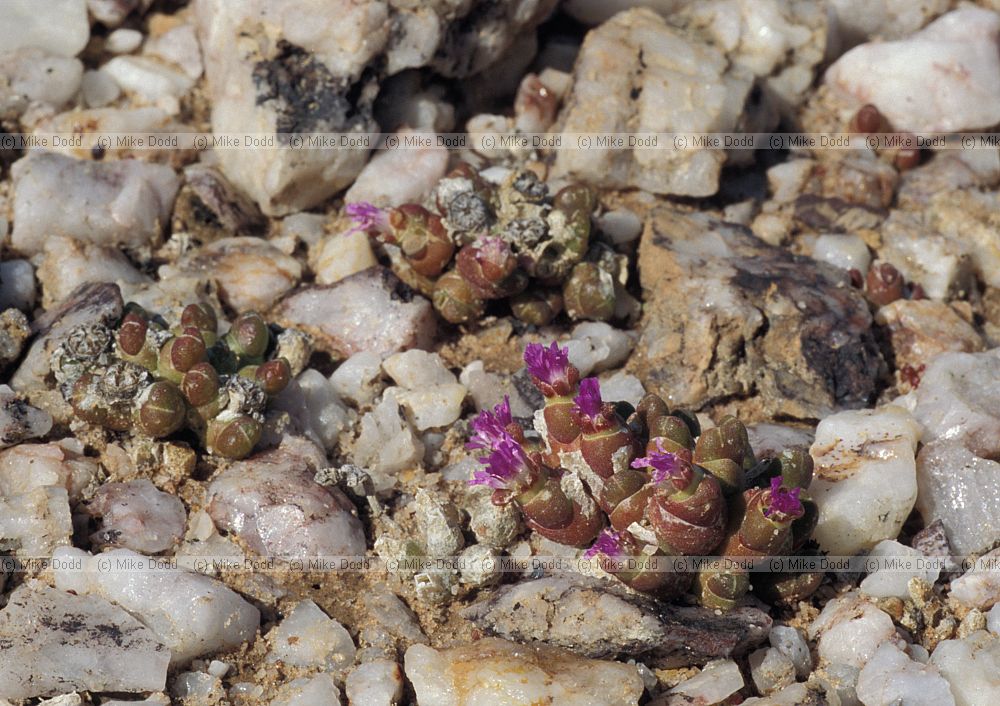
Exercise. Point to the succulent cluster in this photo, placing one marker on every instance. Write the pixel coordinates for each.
(148, 377)
(640, 485)
(480, 242)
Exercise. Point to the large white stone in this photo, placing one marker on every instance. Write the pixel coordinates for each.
(308, 637)
(125, 203)
(636, 74)
(58, 26)
(963, 491)
(890, 678)
(191, 613)
(493, 671)
(885, 581)
(289, 67)
(865, 481)
(956, 54)
(56, 642)
(850, 630)
(972, 668)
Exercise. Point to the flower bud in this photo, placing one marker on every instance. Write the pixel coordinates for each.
(884, 284)
(455, 300)
(641, 568)
(233, 437)
(490, 268)
(161, 410)
(589, 293)
(537, 307)
(606, 443)
(721, 589)
(180, 353)
(132, 334)
(725, 451)
(868, 120)
(201, 317)
(200, 384)
(578, 530)
(787, 589)
(421, 237)
(274, 375)
(796, 467)
(248, 337)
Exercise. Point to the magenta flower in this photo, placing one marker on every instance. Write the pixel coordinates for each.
(783, 500)
(588, 403)
(489, 427)
(550, 365)
(366, 217)
(608, 543)
(506, 467)
(664, 464)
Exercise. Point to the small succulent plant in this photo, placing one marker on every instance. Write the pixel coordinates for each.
(641, 485)
(478, 242)
(148, 378)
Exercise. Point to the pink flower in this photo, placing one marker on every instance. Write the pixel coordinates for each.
(783, 500)
(550, 365)
(507, 465)
(489, 427)
(664, 464)
(608, 543)
(366, 217)
(588, 403)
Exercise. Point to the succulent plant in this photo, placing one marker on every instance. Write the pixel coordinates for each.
(147, 378)
(649, 485)
(474, 242)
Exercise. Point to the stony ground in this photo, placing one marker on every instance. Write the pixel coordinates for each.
(846, 301)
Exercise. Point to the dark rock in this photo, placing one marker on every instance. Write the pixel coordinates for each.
(932, 541)
(599, 619)
(729, 318)
(208, 207)
(93, 303)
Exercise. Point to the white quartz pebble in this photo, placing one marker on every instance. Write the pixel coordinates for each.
(137, 516)
(397, 176)
(312, 401)
(357, 379)
(123, 41)
(716, 682)
(979, 587)
(191, 613)
(885, 581)
(972, 667)
(956, 53)
(890, 678)
(620, 225)
(58, 26)
(494, 671)
(865, 481)
(378, 683)
(308, 637)
(771, 670)
(56, 642)
(123, 203)
(99, 89)
(338, 256)
(844, 251)
(418, 369)
(792, 644)
(319, 690)
(850, 629)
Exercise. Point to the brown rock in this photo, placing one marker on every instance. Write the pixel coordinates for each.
(728, 317)
(920, 329)
(598, 619)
